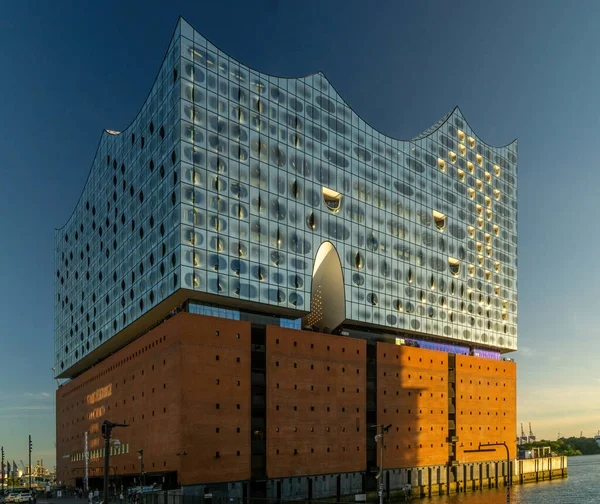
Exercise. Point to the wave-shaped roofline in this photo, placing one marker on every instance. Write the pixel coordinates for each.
(425, 134)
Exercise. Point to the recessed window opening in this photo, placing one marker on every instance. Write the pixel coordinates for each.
(454, 266)
(442, 164)
(332, 199)
(439, 219)
(452, 156)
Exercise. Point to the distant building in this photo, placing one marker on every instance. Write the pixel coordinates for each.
(253, 276)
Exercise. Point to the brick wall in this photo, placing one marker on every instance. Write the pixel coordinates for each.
(412, 396)
(485, 406)
(164, 385)
(316, 398)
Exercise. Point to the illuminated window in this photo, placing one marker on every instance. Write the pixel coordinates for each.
(479, 209)
(440, 220)
(452, 156)
(454, 266)
(471, 192)
(497, 170)
(471, 231)
(471, 142)
(461, 175)
(479, 159)
(461, 136)
(470, 167)
(462, 149)
(442, 164)
(488, 177)
(332, 199)
(479, 184)
(496, 230)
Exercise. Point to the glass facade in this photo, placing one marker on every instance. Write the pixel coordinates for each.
(229, 180)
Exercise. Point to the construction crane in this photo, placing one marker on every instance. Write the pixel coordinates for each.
(531, 434)
(523, 438)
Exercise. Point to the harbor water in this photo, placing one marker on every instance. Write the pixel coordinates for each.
(581, 487)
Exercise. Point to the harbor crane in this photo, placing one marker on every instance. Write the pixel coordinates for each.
(531, 434)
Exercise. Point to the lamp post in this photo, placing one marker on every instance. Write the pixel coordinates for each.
(107, 428)
(378, 437)
(30, 450)
(141, 457)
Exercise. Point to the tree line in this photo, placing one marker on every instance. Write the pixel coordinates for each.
(570, 447)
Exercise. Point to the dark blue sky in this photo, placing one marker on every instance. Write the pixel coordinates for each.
(516, 69)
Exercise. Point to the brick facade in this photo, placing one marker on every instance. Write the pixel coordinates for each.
(316, 403)
(166, 385)
(184, 388)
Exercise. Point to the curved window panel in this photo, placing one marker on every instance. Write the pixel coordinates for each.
(332, 200)
(439, 219)
(454, 266)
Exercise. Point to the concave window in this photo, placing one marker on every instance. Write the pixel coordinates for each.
(442, 164)
(497, 266)
(496, 230)
(479, 159)
(479, 184)
(439, 219)
(488, 201)
(471, 231)
(471, 142)
(471, 192)
(461, 136)
(497, 170)
(332, 199)
(497, 194)
(488, 177)
(470, 167)
(461, 175)
(358, 261)
(462, 149)
(454, 266)
(452, 156)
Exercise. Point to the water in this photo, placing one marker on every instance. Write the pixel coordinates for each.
(581, 487)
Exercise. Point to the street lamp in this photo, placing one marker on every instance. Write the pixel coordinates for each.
(380, 436)
(107, 428)
(141, 457)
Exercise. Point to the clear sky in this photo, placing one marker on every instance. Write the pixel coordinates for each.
(516, 69)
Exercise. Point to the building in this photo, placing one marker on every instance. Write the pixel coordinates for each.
(253, 276)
